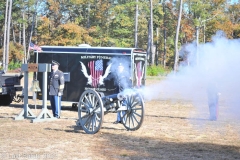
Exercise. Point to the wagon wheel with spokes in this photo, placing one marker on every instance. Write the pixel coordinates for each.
(90, 111)
(133, 117)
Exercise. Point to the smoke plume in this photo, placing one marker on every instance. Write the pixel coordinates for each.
(213, 63)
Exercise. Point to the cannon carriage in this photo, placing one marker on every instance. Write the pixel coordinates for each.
(92, 107)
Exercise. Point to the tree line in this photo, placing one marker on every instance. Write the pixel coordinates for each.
(161, 27)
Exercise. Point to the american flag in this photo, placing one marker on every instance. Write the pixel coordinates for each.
(139, 73)
(33, 46)
(96, 69)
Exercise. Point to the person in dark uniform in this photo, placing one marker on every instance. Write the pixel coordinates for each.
(56, 87)
(213, 97)
(124, 82)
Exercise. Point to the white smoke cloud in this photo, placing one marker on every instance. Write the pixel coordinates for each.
(121, 78)
(216, 62)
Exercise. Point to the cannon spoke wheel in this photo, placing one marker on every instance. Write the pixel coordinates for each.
(90, 111)
(132, 118)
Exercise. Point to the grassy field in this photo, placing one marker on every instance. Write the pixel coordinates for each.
(171, 130)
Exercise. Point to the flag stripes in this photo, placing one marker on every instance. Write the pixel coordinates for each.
(33, 46)
(96, 69)
(139, 73)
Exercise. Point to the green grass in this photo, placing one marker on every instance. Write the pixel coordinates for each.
(157, 71)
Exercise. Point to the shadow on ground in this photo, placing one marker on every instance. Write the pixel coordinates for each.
(150, 148)
(32, 106)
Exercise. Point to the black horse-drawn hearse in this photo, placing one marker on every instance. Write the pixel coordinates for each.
(91, 85)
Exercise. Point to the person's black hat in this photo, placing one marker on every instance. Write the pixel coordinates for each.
(55, 63)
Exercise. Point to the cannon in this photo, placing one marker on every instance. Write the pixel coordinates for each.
(92, 107)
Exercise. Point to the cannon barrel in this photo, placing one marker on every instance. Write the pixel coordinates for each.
(110, 101)
(111, 97)
(119, 96)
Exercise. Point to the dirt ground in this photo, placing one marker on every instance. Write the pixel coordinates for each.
(171, 130)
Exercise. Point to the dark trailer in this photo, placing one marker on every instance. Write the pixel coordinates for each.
(92, 67)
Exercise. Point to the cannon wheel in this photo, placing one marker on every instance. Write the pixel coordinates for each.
(133, 117)
(90, 111)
